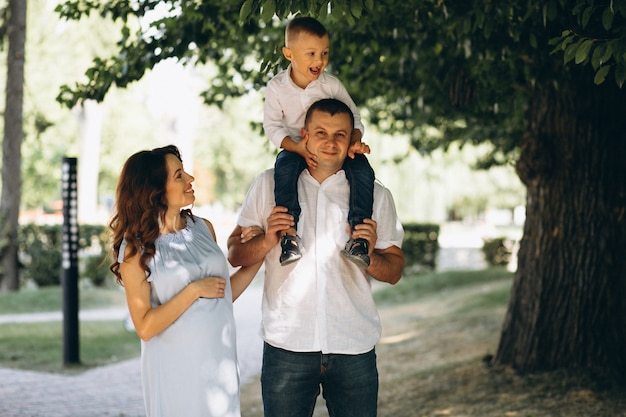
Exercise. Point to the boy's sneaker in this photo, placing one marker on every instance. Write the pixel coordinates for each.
(291, 249)
(356, 250)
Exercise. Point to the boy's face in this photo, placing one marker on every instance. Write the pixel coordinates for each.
(308, 54)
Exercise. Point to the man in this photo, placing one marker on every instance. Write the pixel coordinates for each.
(320, 323)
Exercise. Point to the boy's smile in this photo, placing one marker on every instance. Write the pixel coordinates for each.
(308, 54)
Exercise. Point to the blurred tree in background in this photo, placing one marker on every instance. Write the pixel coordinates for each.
(14, 28)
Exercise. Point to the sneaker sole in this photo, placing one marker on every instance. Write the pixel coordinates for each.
(355, 259)
(290, 261)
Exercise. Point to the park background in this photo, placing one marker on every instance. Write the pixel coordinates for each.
(219, 146)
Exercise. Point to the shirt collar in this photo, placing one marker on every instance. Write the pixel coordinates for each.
(286, 79)
(337, 176)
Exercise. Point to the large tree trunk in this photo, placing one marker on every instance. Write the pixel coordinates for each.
(567, 306)
(11, 147)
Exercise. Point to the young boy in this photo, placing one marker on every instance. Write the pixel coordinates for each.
(288, 96)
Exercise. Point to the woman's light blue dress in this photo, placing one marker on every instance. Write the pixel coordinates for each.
(190, 369)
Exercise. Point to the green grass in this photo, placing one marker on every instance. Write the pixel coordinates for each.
(39, 346)
(495, 297)
(416, 286)
(30, 300)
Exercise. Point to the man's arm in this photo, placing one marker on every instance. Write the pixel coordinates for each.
(386, 264)
(247, 253)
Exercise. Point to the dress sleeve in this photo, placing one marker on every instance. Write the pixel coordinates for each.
(120, 255)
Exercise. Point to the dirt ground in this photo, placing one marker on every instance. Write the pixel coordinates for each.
(430, 361)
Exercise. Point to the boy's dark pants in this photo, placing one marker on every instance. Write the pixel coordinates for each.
(360, 175)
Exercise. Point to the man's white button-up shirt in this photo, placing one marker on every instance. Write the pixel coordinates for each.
(322, 302)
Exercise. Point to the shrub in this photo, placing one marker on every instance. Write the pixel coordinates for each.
(96, 269)
(95, 263)
(40, 253)
(497, 251)
(39, 247)
(420, 246)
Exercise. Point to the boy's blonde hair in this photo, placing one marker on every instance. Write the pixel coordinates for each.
(304, 24)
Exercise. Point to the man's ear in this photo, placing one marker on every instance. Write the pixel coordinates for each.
(303, 132)
(287, 53)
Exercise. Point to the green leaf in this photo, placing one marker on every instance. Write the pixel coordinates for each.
(586, 16)
(601, 74)
(608, 53)
(480, 19)
(620, 74)
(323, 13)
(607, 18)
(570, 52)
(582, 53)
(549, 10)
(369, 5)
(335, 9)
(596, 57)
(356, 8)
(533, 40)
(269, 8)
(246, 9)
(619, 7)
(488, 28)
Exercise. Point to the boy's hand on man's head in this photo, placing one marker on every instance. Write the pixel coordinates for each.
(358, 147)
(303, 151)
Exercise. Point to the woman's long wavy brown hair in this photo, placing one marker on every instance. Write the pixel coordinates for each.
(140, 203)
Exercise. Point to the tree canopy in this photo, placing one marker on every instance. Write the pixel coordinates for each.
(464, 67)
(540, 81)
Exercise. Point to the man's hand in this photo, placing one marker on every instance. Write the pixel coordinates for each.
(367, 231)
(277, 222)
(247, 246)
(386, 264)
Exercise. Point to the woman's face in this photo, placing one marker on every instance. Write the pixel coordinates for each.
(178, 190)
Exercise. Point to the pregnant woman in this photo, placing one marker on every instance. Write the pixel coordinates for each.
(178, 290)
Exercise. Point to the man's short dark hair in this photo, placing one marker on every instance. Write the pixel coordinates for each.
(331, 106)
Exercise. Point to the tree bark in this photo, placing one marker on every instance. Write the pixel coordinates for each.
(566, 308)
(11, 147)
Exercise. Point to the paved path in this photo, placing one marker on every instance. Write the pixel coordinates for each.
(113, 390)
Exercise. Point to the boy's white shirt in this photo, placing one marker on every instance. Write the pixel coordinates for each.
(286, 104)
(323, 302)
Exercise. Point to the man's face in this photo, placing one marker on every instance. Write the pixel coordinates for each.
(329, 138)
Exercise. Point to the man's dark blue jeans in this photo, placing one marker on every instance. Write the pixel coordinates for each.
(360, 175)
(290, 383)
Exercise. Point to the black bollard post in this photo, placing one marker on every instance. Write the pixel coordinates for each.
(69, 261)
